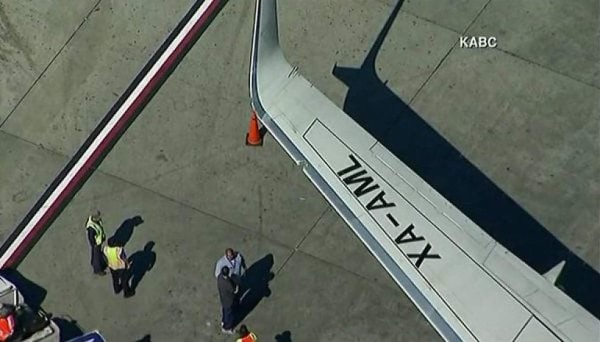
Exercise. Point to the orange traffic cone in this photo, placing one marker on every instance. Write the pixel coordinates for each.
(253, 137)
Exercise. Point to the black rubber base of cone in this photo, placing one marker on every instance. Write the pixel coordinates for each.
(249, 144)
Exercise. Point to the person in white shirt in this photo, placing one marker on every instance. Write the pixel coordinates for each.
(236, 263)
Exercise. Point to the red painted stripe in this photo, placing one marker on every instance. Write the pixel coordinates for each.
(112, 135)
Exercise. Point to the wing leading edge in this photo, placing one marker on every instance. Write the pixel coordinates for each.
(467, 285)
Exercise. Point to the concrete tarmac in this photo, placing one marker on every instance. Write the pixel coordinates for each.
(508, 134)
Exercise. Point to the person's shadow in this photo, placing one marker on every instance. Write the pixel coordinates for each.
(146, 338)
(125, 230)
(285, 336)
(254, 286)
(141, 262)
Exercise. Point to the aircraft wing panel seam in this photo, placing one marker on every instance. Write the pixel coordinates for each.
(522, 328)
(297, 147)
(283, 88)
(489, 252)
(275, 128)
(480, 267)
(391, 266)
(524, 304)
(443, 205)
(375, 247)
(409, 201)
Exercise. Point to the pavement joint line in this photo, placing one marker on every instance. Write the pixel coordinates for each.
(313, 227)
(154, 192)
(428, 20)
(53, 152)
(437, 67)
(36, 145)
(43, 73)
(389, 285)
(510, 53)
(235, 225)
(410, 102)
(408, 12)
(296, 248)
(189, 206)
(327, 262)
(225, 98)
(134, 184)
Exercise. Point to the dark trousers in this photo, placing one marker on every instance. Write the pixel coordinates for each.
(120, 280)
(97, 259)
(228, 319)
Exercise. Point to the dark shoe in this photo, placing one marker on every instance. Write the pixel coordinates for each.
(101, 273)
(129, 294)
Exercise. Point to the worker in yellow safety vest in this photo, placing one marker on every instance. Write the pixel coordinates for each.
(96, 237)
(119, 267)
(245, 335)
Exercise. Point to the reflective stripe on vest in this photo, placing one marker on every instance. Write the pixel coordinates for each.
(97, 227)
(113, 257)
(248, 338)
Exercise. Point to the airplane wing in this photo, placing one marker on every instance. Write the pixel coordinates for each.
(466, 284)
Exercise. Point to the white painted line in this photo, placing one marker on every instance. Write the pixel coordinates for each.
(105, 131)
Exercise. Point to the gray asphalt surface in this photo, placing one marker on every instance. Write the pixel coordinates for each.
(510, 135)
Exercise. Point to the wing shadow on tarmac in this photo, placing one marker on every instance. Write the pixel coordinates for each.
(390, 120)
(255, 286)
